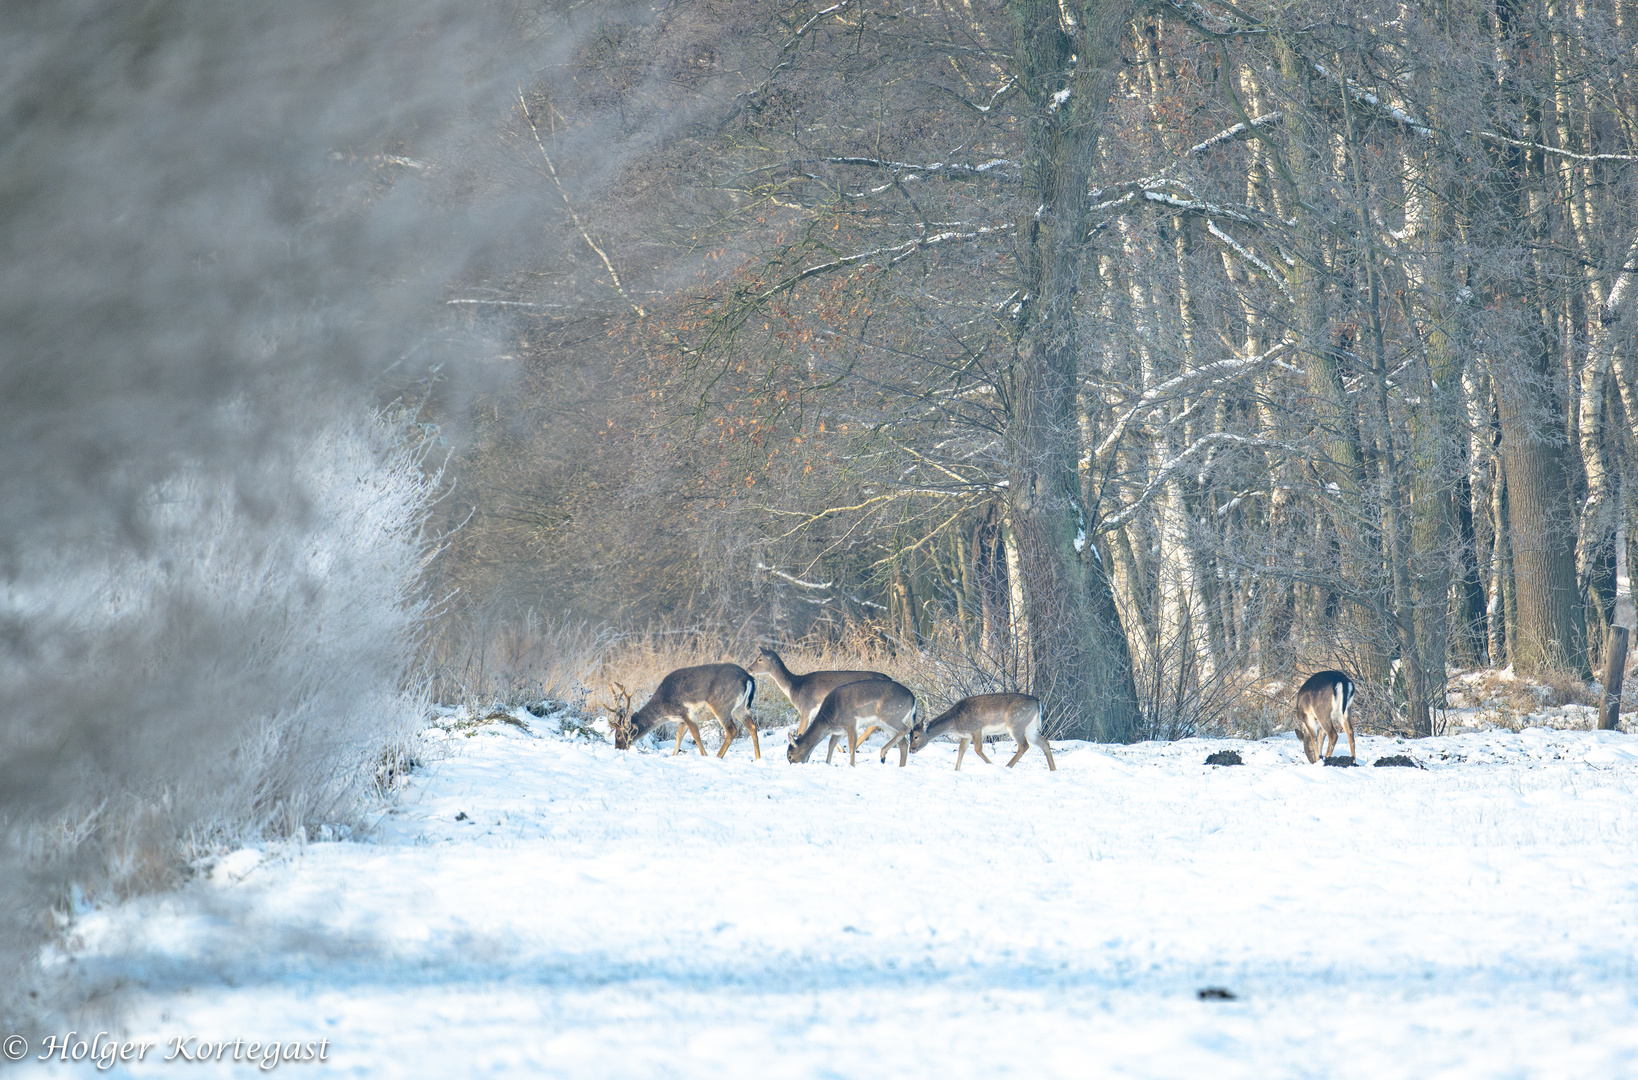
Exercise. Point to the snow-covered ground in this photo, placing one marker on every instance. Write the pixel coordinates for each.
(537, 905)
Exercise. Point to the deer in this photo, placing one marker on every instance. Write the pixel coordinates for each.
(878, 702)
(721, 692)
(806, 692)
(1322, 713)
(972, 718)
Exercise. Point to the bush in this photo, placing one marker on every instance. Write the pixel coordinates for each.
(239, 674)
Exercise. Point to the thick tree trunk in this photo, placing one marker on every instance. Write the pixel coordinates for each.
(1549, 634)
(1081, 661)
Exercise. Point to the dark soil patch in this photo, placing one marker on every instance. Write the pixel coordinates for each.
(1398, 759)
(1224, 757)
(1216, 993)
(1341, 762)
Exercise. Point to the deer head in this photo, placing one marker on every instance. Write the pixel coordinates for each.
(620, 716)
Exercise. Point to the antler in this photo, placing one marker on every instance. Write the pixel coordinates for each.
(621, 719)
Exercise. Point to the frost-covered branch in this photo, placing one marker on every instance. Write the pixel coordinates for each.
(794, 580)
(1365, 97)
(1559, 151)
(1166, 471)
(1218, 372)
(585, 234)
(1245, 253)
(894, 254)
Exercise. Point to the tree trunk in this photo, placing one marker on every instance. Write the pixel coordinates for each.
(1081, 660)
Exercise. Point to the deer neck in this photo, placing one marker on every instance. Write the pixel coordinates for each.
(781, 674)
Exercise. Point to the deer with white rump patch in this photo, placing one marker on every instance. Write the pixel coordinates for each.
(970, 719)
(874, 702)
(720, 692)
(1322, 713)
(806, 692)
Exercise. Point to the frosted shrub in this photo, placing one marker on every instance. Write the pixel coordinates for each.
(231, 664)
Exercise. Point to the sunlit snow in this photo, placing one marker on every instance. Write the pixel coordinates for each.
(536, 905)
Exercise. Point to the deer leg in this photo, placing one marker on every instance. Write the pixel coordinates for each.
(904, 749)
(961, 753)
(834, 739)
(1023, 744)
(756, 743)
(868, 732)
(694, 730)
(1309, 739)
(681, 727)
(852, 745)
(1351, 752)
(730, 731)
(1330, 744)
(978, 748)
(1052, 766)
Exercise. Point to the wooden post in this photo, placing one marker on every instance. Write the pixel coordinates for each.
(1609, 706)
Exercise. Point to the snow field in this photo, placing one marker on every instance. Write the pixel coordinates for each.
(609, 914)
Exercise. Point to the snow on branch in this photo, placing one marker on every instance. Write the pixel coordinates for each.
(1234, 134)
(893, 255)
(1196, 206)
(1150, 185)
(1245, 253)
(585, 233)
(948, 168)
(1217, 373)
(833, 9)
(1618, 291)
(1527, 144)
(1166, 471)
(1365, 97)
(1196, 15)
(794, 580)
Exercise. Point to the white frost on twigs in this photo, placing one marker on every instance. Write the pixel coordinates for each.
(794, 580)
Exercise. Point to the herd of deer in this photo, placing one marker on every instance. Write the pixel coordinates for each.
(858, 703)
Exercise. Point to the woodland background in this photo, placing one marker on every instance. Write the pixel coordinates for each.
(1123, 352)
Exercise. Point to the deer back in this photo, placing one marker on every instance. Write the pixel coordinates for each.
(724, 688)
(1325, 697)
(979, 715)
(806, 692)
(879, 699)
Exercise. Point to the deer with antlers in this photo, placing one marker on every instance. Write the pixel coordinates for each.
(720, 692)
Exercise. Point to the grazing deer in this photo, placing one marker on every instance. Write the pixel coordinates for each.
(1322, 713)
(1019, 715)
(806, 692)
(722, 692)
(876, 702)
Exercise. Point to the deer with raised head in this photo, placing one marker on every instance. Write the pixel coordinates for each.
(971, 719)
(720, 692)
(873, 702)
(806, 692)
(1322, 713)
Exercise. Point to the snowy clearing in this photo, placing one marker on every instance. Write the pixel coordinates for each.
(539, 905)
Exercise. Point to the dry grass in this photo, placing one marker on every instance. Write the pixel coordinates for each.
(490, 660)
(1503, 689)
(569, 666)
(639, 661)
(1500, 699)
